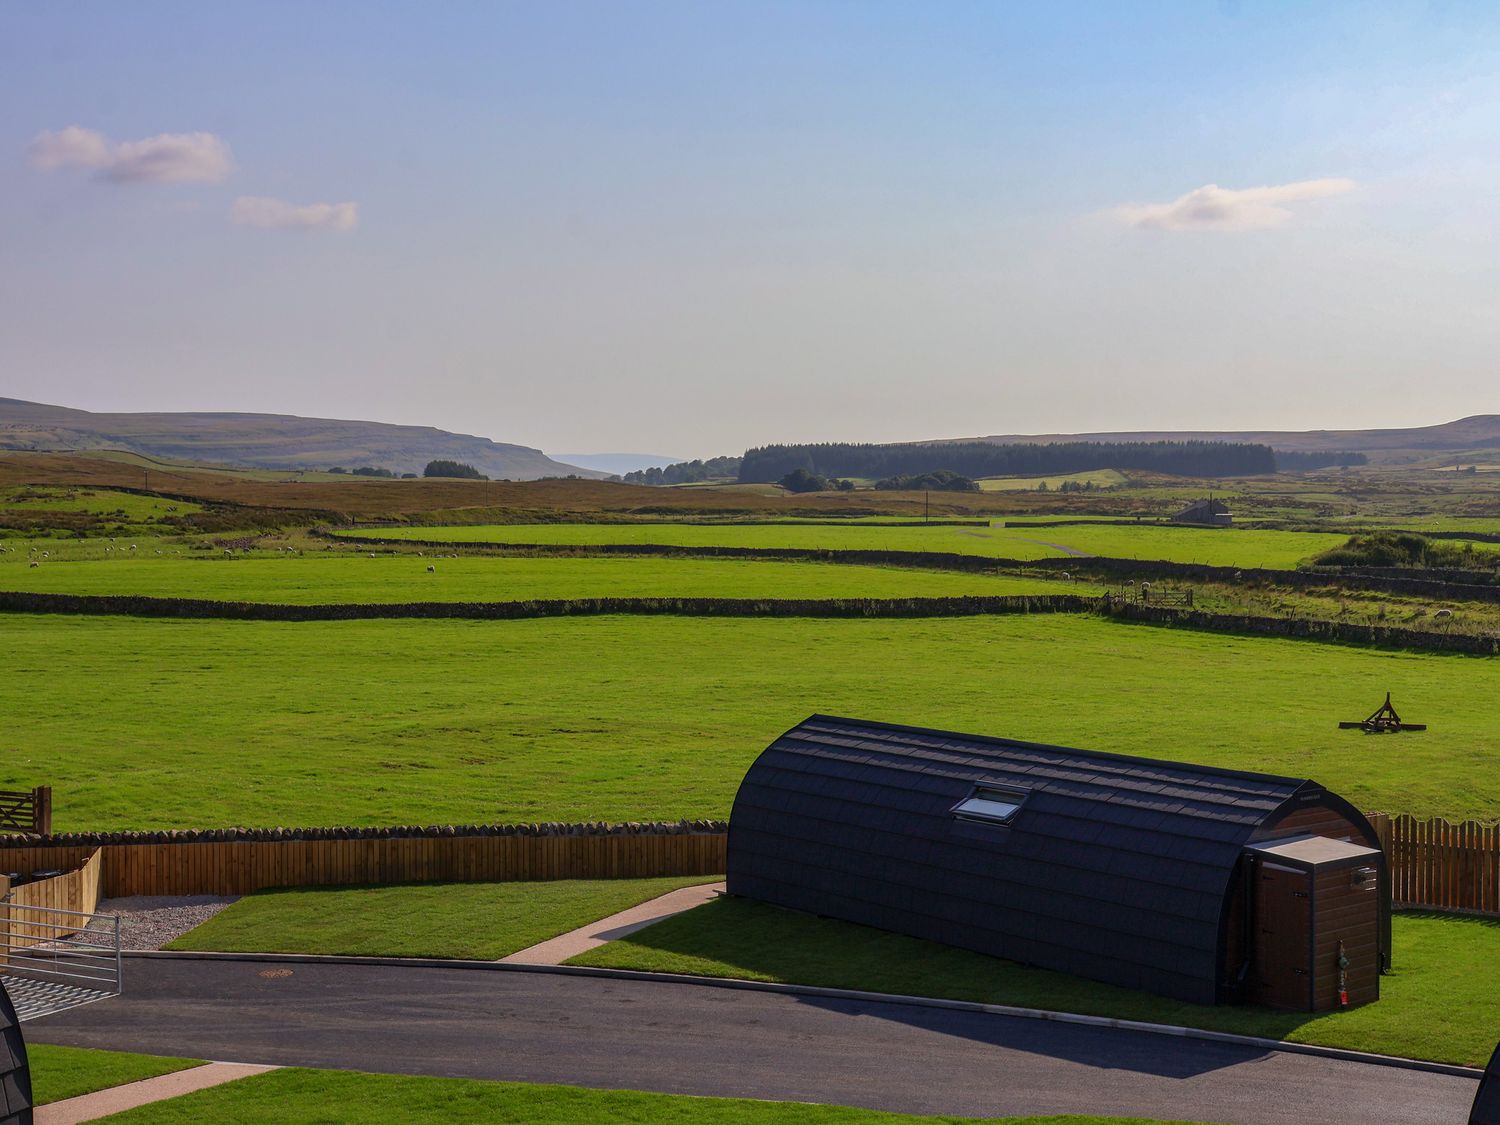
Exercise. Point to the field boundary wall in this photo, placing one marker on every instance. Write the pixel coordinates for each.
(142, 606)
(1300, 628)
(947, 560)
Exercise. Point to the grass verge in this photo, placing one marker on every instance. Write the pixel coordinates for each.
(1442, 1002)
(66, 1072)
(477, 921)
(292, 1097)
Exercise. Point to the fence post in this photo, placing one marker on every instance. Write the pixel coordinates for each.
(41, 809)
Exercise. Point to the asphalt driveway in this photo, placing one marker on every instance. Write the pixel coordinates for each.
(681, 1038)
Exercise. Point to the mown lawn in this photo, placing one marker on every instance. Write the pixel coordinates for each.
(297, 1097)
(349, 577)
(172, 724)
(1441, 1002)
(66, 1072)
(1220, 547)
(476, 921)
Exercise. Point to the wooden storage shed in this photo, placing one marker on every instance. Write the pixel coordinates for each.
(1202, 884)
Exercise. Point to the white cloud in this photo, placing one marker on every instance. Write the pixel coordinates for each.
(163, 159)
(278, 214)
(1214, 207)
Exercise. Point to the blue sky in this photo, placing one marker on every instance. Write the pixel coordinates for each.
(689, 228)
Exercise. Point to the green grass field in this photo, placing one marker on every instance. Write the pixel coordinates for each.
(344, 577)
(1441, 1002)
(172, 724)
(1099, 478)
(473, 921)
(66, 1072)
(1223, 547)
(333, 1097)
(128, 506)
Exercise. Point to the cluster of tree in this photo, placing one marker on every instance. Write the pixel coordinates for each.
(986, 459)
(800, 480)
(686, 472)
(1070, 486)
(939, 480)
(1290, 461)
(1404, 548)
(453, 469)
(368, 471)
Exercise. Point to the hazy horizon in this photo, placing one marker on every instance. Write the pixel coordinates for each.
(661, 226)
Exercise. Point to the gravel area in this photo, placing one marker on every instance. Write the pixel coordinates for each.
(150, 921)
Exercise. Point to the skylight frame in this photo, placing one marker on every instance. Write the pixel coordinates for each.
(991, 804)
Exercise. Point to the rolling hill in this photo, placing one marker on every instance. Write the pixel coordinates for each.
(270, 441)
(1477, 432)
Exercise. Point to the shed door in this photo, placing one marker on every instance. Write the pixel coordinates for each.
(1283, 930)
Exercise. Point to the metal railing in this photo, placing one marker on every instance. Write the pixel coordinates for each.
(52, 959)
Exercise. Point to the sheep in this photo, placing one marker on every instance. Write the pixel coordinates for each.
(432, 570)
(1442, 615)
(34, 564)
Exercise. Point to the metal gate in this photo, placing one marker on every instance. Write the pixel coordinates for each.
(53, 959)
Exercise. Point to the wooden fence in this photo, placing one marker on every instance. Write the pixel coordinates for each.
(1434, 864)
(28, 811)
(241, 866)
(1440, 865)
(77, 888)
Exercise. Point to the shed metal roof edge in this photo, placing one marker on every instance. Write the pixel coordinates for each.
(1105, 755)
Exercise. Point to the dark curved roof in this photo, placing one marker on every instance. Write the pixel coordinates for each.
(1114, 867)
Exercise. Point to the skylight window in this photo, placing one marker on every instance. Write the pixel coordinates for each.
(991, 804)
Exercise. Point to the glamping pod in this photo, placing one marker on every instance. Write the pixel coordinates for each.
(15, 1070)
(1202, 884)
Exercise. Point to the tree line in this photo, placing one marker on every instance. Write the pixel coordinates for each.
(686, 472)
(975, 459)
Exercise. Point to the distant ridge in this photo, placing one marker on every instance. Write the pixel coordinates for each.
(618, 463)
(1479, 431)
(270, 441)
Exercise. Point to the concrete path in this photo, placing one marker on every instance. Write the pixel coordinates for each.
(101, 1103)
(541, 1026)
(555, 951)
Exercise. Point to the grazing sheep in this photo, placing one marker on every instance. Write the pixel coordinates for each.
(34, 564)
(432, 570)
(1442, 614)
